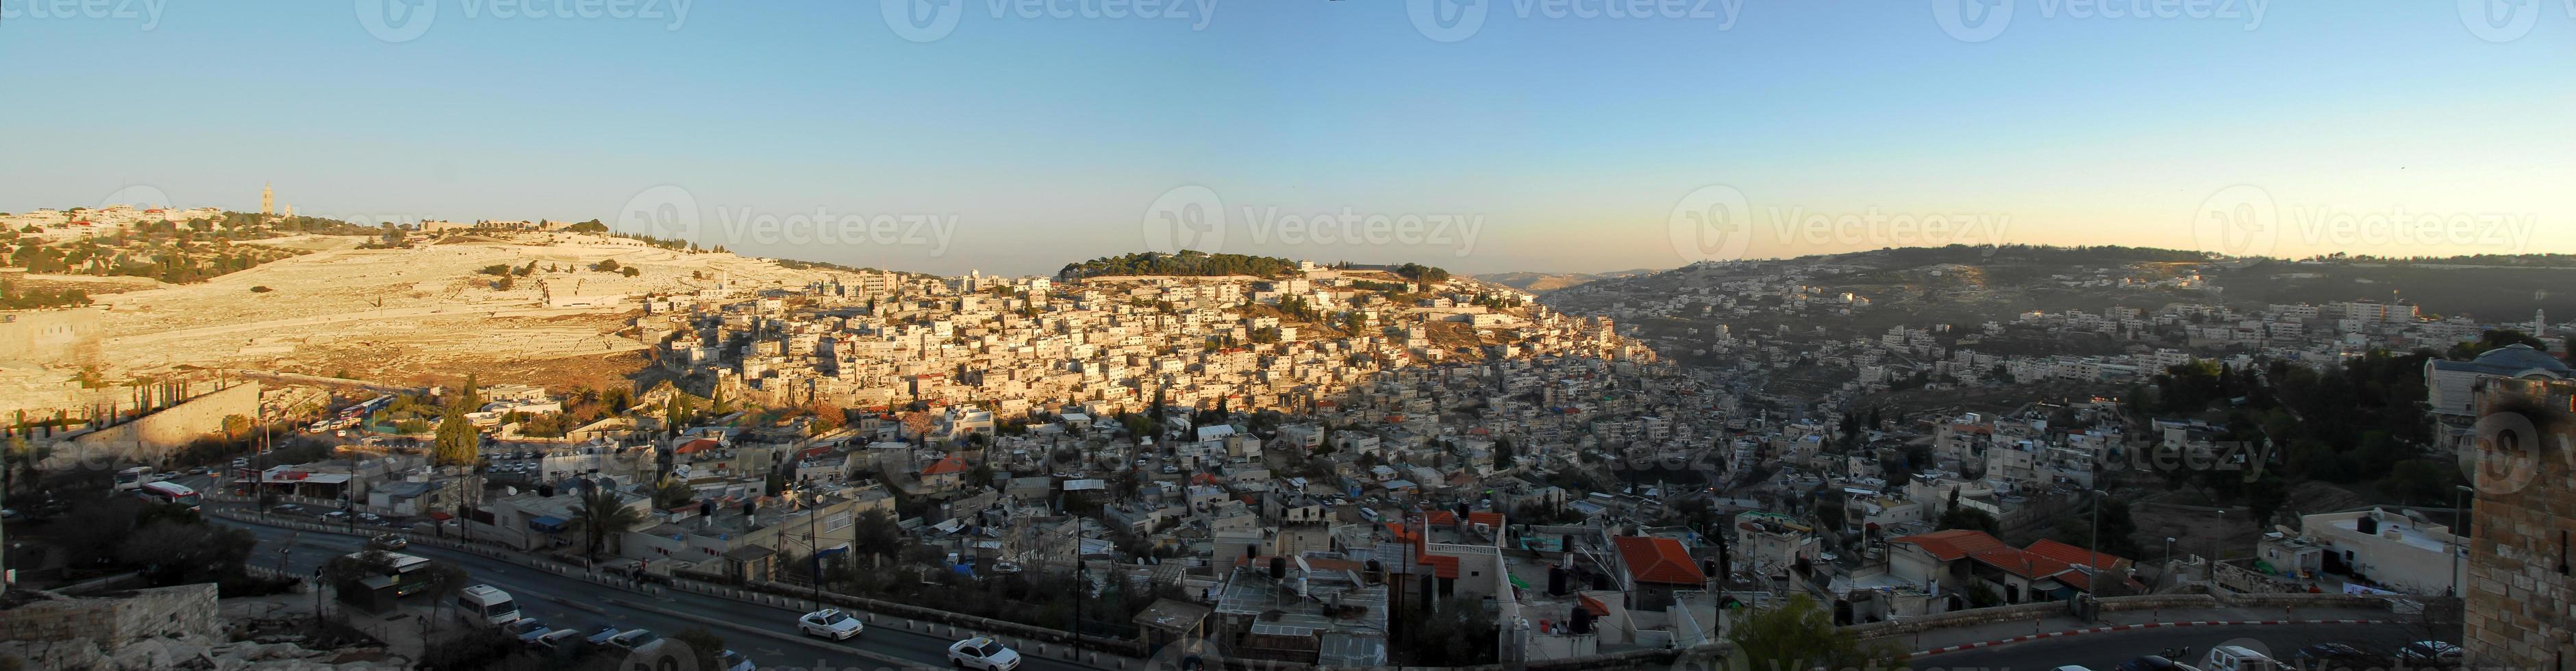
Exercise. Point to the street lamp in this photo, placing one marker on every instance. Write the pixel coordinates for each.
(2162, 576)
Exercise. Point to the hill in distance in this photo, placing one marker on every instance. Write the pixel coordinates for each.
(1546, 282)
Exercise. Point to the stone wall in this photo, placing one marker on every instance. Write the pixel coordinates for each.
(2519, 608)
(113, 622)
(149, 438)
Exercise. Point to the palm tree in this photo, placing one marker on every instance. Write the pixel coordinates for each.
(601, 513)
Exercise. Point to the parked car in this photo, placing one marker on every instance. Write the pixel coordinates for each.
(389, 542)
(2237, 658)
(2430, 653)
(601, 635)
(558, 643)
(527, 629)
(2326, 656)
(633, 640)
(983, 654)
(2150, 663)
(830, 623)
(733, 661)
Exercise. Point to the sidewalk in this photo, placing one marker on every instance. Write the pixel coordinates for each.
(1953, 638)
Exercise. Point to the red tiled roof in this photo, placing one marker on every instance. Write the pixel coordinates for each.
(1953, 544)
(2076, 555)
(1491, 519)
(945, 465)
(1596, 606)
(699, 445)
(1441, 565)
(2020, 563)
(1658, 560)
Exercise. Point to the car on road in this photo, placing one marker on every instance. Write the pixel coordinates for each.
(2237, 658)
(2150, 663)
(830, 623)
(2337, 656)
(2430, 653)
(527, 629)
(601, 635)
(2070, 667)
(558, 643)
(733, 661)
(389, 542)
(633, 640)
(983, 654)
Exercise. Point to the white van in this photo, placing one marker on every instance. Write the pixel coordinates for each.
(487, 606)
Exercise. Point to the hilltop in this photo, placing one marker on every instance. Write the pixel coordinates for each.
(1546, 282)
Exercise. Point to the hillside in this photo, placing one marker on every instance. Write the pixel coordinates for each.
(1546, 282)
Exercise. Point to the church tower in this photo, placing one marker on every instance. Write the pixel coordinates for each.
(267, 200)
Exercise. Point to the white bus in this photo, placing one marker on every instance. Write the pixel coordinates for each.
(486, 606)
(168, 492)
(132, 478)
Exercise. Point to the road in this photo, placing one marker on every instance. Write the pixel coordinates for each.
(562, 601)
(2104, 651)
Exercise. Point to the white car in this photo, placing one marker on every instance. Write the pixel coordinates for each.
(983, 654)
(830, 623)
(527, 629)
(733, 661)
(632, 641)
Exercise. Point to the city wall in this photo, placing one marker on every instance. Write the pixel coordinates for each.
(150, 437)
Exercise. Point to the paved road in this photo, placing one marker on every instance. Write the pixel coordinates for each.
(2106, 651)
(565, 601)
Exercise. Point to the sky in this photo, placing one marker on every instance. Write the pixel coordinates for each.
(1012, 136)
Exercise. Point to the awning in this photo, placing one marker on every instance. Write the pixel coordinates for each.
(548, 524)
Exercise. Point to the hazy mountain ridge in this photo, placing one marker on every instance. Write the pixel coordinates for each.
(1535, 282)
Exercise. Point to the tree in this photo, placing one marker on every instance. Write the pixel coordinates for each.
(601, 514)
(1460, 633)
(876, 534)
(670, 492)
(457, 443)
(1800, 634)
(1962, 517)
(235, 426)
(1503, 454)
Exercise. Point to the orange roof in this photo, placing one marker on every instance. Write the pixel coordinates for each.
(699, 445)
(945, 465)
(2076, 555)
(1441, 565)
(2020, 563)
(1596, 606)
(1658, 560)
(1492, 519)
(1953, 544)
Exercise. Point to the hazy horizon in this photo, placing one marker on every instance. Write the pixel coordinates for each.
(1481, 137)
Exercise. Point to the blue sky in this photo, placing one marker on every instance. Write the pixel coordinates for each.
(1013, 144)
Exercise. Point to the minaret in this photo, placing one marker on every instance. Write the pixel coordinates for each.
(267, 200)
